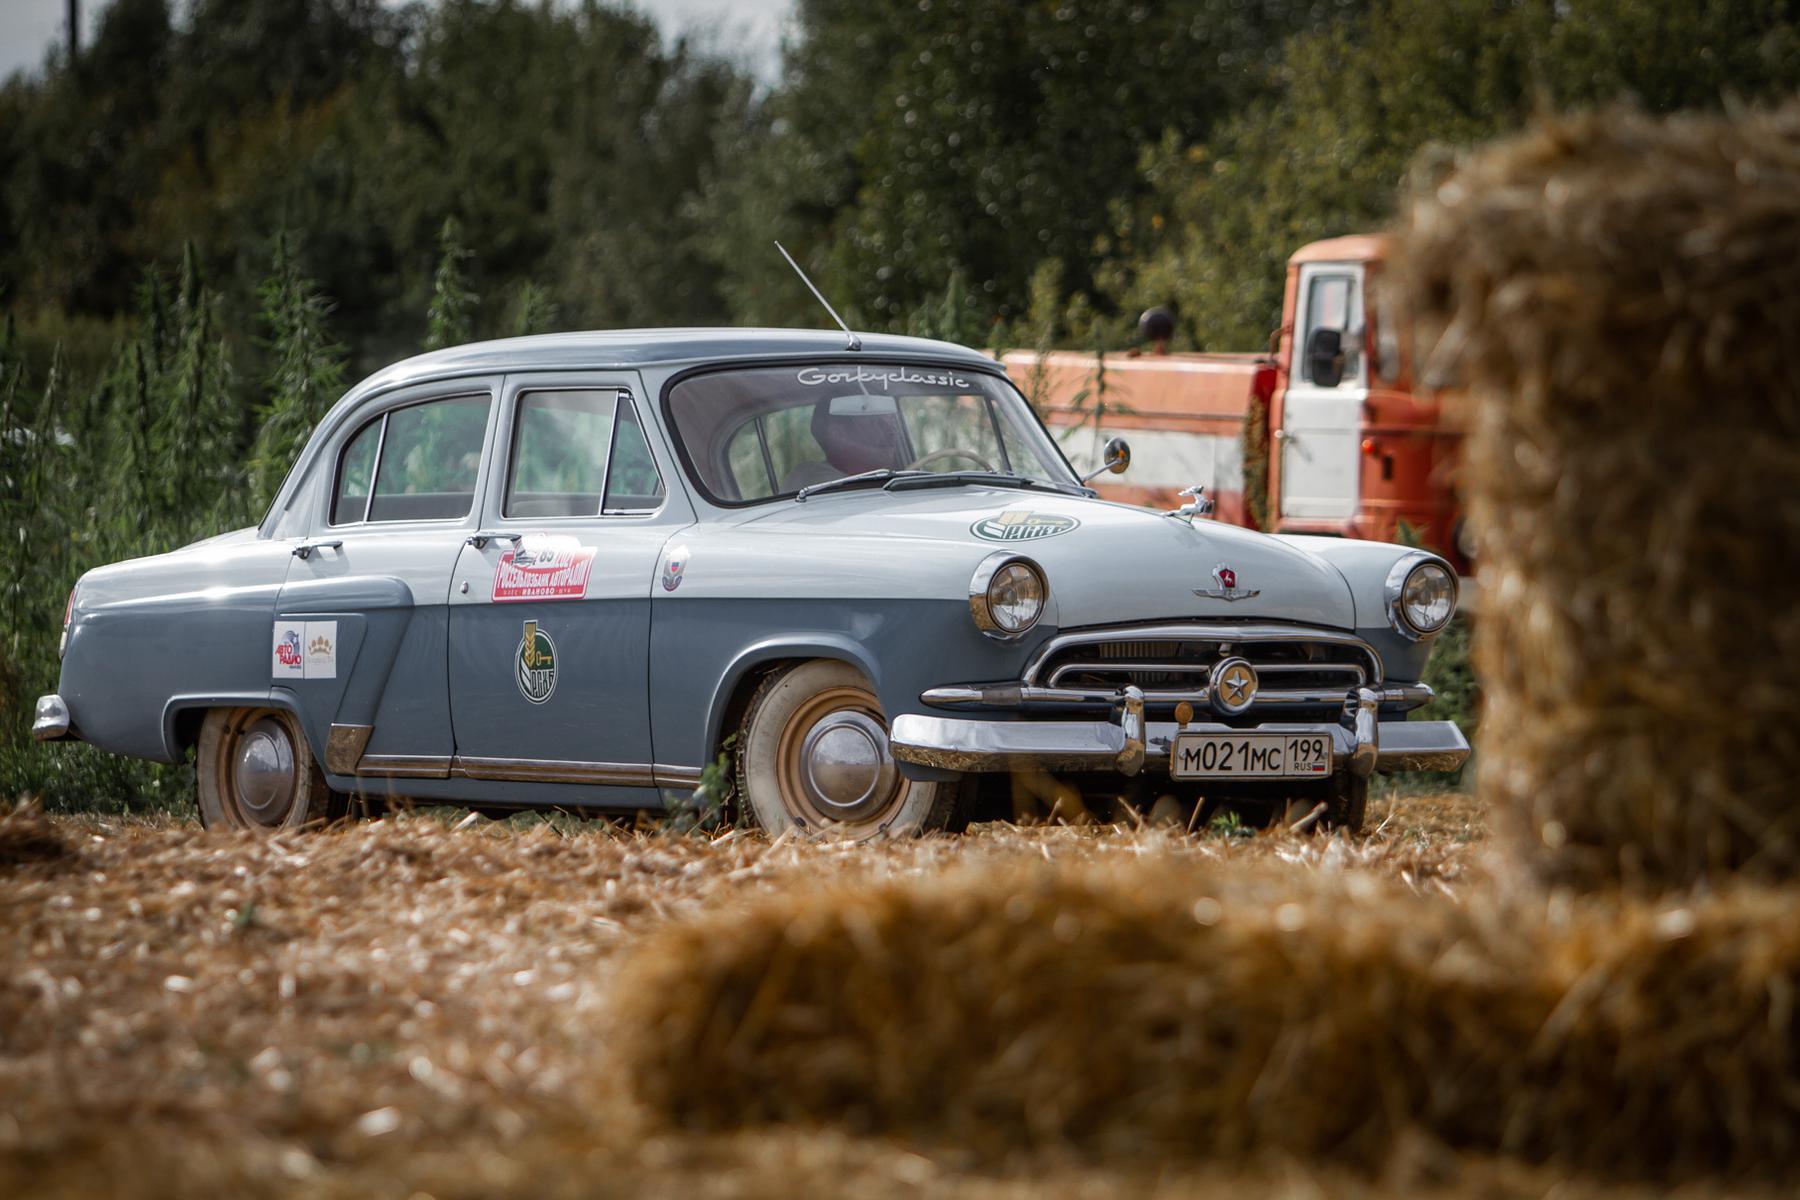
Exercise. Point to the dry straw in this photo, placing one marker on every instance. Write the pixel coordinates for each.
(1151, 1011)
(1620, 297)
(27, 836)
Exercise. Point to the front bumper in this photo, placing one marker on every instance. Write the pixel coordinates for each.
(52, 719)
(1361, 743)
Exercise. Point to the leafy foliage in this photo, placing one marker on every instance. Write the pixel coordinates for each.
(307, 372)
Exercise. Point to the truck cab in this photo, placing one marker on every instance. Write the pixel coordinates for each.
(1353, 448)
(1356, 449)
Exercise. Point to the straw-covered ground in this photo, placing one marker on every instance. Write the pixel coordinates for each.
(412, 1007)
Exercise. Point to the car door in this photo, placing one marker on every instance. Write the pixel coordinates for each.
(1321, 424)
(361, 626)
(550, 602)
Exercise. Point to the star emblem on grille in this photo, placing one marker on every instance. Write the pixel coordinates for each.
(1233, 686)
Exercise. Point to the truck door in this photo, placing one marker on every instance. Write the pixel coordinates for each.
(550, 603)
(1321, 423)
(360, 623)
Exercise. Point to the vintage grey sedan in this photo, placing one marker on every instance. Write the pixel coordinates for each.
(573, 570)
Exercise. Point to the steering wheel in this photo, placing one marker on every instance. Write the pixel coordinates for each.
(948, 452)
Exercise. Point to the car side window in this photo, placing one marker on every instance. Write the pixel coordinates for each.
(957, 430)
(417, 463)
(350, 501)
(561, 441)
(579, 453)
(792, 447)
(751, 472)
(633, 484)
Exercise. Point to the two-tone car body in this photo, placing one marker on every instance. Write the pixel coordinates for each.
(573, 570)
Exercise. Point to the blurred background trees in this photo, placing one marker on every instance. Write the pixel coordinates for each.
(217, 213)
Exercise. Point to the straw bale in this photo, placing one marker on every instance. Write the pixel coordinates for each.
(1619, 295)
(1139, 1010)
(400, 1006)
(27, 836)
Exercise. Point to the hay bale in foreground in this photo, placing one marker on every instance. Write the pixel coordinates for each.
(1620, 297)
(1142, 1010)
(28, 836)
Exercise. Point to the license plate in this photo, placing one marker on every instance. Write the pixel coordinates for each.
(1251, 756)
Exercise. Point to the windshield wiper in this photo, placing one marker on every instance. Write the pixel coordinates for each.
(881, 475)
(924, 479)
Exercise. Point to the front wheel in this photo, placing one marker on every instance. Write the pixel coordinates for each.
(813, 756)
(253, 770)
(1346, 802)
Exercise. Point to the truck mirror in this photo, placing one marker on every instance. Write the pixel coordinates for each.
(1325, 357)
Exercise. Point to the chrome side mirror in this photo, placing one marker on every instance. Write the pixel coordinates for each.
(1116, 457)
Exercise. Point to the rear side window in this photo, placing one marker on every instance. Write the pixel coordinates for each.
(578, 454)
(417, 463)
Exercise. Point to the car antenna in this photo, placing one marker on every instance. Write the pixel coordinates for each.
(853, 342)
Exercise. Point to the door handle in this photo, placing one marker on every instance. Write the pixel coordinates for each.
(481, 537)
(305, 549)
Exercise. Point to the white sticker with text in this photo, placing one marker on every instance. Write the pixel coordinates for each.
(305, 650)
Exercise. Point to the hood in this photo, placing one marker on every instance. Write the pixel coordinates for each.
(1106, 563)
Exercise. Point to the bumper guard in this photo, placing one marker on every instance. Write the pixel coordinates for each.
(1360, 741)
(52, 719)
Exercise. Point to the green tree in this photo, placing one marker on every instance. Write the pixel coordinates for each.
(306, 374)
(452, 314)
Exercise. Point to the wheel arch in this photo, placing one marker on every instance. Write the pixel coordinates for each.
(755, 662)
(183, 715)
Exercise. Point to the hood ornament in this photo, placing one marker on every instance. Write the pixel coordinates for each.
(1228, 588)
(1197, 506)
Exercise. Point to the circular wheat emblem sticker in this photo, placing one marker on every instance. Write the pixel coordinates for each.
(535, 664)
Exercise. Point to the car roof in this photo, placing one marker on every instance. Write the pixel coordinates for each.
(630, 348)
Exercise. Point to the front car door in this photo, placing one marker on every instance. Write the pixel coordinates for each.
(360, 627)
(1321, 424)
(550, 601)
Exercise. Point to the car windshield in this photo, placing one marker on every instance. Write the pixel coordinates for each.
(767, 432)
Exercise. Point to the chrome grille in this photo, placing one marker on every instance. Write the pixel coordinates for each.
(1172, 662)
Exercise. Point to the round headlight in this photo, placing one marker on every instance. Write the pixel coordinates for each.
(1423, 596)
(1007, 595)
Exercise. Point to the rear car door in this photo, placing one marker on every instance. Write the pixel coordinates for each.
(1321, 425)
(360, 626)
(550, 602)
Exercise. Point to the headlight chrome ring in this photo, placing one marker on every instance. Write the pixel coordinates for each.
(1421, 596)
(1007, 595)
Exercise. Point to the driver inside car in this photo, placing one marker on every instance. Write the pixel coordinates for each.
(854, 440)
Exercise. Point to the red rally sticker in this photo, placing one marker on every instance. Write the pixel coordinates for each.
(544, 568)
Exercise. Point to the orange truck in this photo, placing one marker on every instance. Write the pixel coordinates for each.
(1341, 438)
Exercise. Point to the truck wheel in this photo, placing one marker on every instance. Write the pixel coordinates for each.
(254, 770)
(1346, 802)
(813, 757)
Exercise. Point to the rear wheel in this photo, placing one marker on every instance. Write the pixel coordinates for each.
(254, 770)
(813, 756)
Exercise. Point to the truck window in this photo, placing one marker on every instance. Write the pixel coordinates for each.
(1335, 302)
